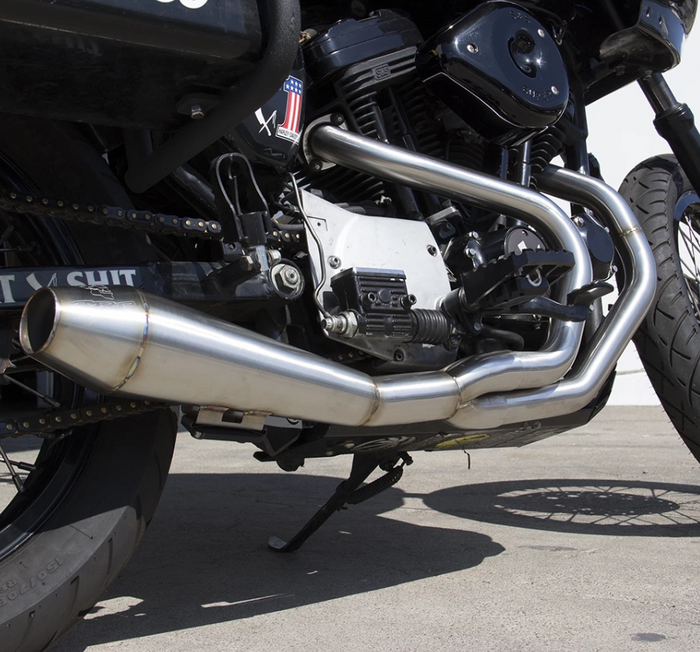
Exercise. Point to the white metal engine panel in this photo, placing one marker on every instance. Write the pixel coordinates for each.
(351, 240)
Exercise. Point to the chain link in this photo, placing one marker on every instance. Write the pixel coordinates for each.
(45, 423)
(126, 218)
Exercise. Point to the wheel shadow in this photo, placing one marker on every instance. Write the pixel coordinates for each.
(607, 507)
(205, 558)
(205, 561)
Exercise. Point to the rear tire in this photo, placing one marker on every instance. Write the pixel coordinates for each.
(668, 341)
(57, 575)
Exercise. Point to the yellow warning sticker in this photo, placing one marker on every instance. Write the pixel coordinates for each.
(461, 442)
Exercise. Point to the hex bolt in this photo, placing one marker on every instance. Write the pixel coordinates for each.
(334, 261)
(196, 112)
(247, 263)
(579, 221)
(470, 252)
(290, 275)
(337, 119)
(287, 277)
(273, 256)
(474, 235)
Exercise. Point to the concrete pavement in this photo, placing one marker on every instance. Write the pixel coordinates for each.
(586, 541)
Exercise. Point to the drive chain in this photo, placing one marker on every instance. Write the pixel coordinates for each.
(45, 423)
(126, 218)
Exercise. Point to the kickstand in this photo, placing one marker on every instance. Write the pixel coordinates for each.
(362, 466)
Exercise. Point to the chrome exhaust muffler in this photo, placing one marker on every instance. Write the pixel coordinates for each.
(121, 341)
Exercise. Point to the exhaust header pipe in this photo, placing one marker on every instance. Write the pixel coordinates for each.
(121, 341)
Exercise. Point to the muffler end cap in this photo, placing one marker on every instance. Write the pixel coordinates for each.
(37, 326)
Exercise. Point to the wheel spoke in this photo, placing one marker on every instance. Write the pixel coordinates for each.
(43, 397)
(24, 466)
(19, 483)
(689, 248)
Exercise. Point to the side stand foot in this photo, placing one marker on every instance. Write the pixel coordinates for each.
(362, 467)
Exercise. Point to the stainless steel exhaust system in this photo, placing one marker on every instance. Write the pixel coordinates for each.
(596, 363)
(494, 372)
(121, 341)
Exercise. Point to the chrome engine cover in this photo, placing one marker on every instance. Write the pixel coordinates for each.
(358, 241)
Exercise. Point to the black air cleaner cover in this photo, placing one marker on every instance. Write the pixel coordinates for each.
(499, 69)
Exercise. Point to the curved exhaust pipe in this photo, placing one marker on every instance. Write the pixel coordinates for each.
(121, 341)
(597, 362)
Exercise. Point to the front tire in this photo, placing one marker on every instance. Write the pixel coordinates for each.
(668, 341)
(113, 473)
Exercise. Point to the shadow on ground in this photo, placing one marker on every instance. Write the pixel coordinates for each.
(205, 558)
(205, 561)
(602, 507)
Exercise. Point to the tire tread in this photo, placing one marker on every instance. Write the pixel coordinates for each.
(668, 342)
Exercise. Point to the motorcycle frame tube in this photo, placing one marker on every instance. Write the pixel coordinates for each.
(495, 372)
(240, 101)
(599, 358)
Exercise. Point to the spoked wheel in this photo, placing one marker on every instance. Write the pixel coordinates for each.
(74, 505)
(687, 237)
(668, 342)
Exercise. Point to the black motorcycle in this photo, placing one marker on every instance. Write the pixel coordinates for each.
(321, 230)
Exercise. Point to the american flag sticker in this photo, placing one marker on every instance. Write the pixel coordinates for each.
(292, 120)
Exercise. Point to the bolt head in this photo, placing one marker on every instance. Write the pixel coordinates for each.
(334, 262)
(196, 112)
(470, 252)
(288, 277)
(541, 33)
(316, 165)
(247, 263)
(473, 48)
(273, 256)
(555, 90)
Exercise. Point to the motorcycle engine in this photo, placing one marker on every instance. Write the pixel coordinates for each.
(489, 81)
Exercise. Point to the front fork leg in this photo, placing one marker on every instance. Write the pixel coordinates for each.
(675, 123)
